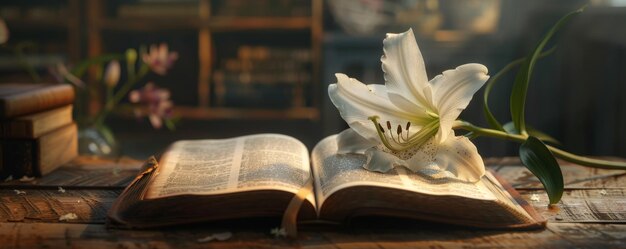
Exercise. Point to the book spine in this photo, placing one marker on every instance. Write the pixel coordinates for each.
(36, 125)
(37, 157)
(19, 157)
(16, 129)
(36, 101)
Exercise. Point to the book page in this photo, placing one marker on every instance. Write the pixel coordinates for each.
(333, 172)
(255, 162)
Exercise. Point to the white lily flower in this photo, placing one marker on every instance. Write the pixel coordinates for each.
(418, 115)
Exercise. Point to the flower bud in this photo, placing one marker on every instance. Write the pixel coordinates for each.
(112, 73)
(4, 32)
(134, 96)
(131, 56)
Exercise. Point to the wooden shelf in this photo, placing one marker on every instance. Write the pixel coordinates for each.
(148, 24)
(215, 23)
(30, 21)
(37, 23)
(208, 27)
(309, 113)
(252, 23)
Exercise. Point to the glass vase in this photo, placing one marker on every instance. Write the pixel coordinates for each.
(97, 140)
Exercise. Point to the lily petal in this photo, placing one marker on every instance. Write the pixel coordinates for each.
(357, 101)
(459, 156)
(455, 158)
(380, 161)
(453, 90)
(348, 141)
(404, 70)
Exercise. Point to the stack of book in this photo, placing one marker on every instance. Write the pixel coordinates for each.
(37, 132)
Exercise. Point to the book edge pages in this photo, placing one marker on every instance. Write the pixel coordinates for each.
(132, 197)
(516, 197)
(113, 215)
(35, 125)
(67, 135)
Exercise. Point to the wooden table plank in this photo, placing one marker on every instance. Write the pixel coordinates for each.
(581, 205)
(591, 235)
(86, 171)
(574, 176)
(37, 205)
(46, 235)
(31, 220)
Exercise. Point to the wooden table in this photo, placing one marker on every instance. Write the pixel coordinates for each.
(30, 211)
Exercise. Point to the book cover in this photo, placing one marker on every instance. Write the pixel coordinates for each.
(37, 157)
(35, 125)
(22, 99)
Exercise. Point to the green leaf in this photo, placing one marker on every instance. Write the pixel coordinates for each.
(522, 79)
(540, 161)
(493, 122)
(544, 137)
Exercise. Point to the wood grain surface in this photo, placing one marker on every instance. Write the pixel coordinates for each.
(592, 214)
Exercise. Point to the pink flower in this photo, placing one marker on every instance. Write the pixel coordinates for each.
(159, 59)
(158, 106)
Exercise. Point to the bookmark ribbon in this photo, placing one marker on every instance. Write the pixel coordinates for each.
(290, 217)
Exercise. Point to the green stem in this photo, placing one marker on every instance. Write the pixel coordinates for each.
(120, 94)
(109, 95)
(590, 162)
(80, 69)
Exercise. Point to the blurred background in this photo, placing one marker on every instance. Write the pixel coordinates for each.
(245, 67)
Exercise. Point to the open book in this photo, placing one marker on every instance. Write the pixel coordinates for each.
(258, 175)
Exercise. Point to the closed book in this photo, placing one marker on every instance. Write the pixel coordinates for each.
(22, 99)
(37, 157)
(35, 125)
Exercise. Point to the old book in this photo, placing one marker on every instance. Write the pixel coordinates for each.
(22, 99)
(35, 125)
(258, 175)
(37, 157)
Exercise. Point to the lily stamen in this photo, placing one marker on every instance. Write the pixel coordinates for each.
(404, 139)
(408, 125)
